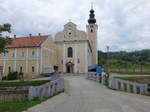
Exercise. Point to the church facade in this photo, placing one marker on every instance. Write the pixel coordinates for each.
(76, 50)
(71, 50)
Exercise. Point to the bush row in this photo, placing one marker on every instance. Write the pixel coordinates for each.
(13, 75)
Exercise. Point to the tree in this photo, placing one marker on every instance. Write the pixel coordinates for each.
(4, 40)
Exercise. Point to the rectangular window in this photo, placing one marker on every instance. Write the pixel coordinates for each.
(23, 54)
(61, 61)
(13, 55)
(78, 60)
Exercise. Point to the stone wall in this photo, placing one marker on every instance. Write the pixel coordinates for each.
(9, 94)
(129, 86)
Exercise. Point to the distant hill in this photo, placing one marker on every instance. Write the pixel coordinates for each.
(138, 56)
(137, 61)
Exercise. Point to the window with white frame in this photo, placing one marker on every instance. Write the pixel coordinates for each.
(13, 54)
(23, 54)
(33, 53)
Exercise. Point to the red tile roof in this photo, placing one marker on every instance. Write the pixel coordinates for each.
(33, 41)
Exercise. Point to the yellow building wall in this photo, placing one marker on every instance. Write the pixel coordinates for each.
(49, 56)
(60, 54)
(25, 61)
(82, 57)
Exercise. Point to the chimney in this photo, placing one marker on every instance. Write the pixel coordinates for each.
(30, 35)
(39, 34)
(14, 36)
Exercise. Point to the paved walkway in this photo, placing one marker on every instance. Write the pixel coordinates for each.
(86, 96)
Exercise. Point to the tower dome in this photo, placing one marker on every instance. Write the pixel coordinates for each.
(91, 19)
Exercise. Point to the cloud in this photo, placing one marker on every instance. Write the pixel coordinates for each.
(123, 24)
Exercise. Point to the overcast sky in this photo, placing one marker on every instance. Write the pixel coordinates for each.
(123, 24)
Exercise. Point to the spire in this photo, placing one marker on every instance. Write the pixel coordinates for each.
(92, 19)
(92, 6)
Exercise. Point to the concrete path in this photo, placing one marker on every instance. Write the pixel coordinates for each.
(87, 96)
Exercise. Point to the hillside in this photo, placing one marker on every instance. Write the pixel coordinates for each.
(137, 60)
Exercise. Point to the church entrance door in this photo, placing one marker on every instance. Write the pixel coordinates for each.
(69, 67)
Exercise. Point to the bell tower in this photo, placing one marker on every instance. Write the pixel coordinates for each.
(91, 30)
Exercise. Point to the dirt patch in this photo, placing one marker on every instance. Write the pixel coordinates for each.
(143, 79)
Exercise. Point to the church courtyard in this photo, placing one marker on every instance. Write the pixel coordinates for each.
(83, 95)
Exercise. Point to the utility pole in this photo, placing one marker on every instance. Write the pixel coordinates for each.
(107, 62)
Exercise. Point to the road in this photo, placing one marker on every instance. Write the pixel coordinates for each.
(83, 95)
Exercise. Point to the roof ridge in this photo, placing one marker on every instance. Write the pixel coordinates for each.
(35, 41)
(31, 36)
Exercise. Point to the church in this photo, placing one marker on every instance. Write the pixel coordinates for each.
(71, 51)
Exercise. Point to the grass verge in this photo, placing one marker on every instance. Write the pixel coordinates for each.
(133, 79)
(23, 83)
(133, 73)
(18, 106)
(142, 79)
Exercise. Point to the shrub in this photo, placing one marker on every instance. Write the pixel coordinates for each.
(12, 75)
(21, 73)
(148, 89)
(4, 78)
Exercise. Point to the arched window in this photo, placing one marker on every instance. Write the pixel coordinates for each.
(21, 69)
(33, 69)
(70, 52)
(9, 69)
(33, 53)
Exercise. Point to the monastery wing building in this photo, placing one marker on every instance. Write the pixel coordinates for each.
(71, 51)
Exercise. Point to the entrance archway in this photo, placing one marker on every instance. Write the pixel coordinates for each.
(69, 67)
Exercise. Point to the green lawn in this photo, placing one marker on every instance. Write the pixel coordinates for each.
(18, 106)
(133, 79)
(132, 73)
(23, 83)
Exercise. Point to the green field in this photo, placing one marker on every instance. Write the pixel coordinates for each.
(135, 62)
(138, 79)
(125, 67)
(133, 79)
(18, 106)
(23, 83)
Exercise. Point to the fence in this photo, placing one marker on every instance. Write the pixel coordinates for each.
(95, 77)
(46, 90)
(128, 86)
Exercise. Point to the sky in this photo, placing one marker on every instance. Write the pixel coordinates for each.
(124, 25)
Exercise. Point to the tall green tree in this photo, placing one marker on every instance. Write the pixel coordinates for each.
(4, 40)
